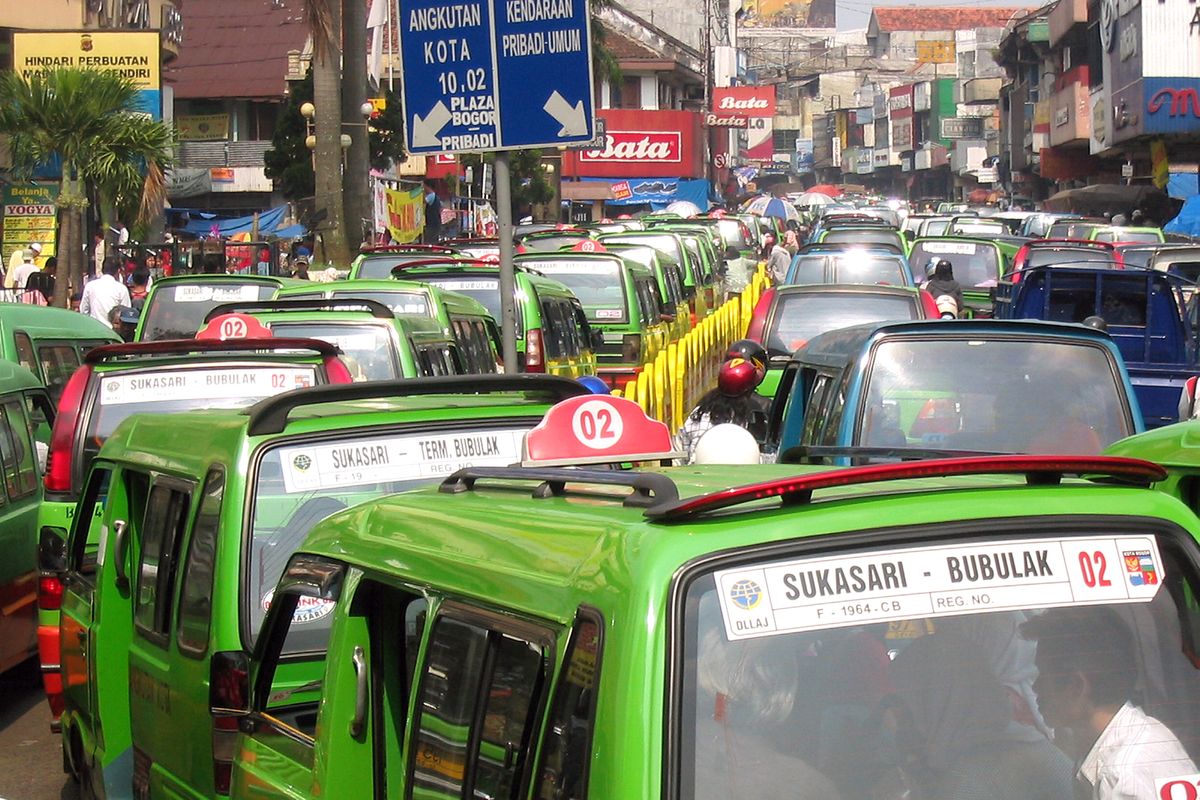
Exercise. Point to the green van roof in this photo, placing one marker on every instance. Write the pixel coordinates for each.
(548, 552)
(14, 377)
(48, 321)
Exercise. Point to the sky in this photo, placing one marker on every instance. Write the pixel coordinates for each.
(852, 14)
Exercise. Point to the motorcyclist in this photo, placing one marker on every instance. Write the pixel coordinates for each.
(733, 401)
(942, 283)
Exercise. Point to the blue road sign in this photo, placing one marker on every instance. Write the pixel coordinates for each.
(495, 74)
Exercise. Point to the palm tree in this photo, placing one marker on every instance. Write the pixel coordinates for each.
(325, 27)
(84, 120)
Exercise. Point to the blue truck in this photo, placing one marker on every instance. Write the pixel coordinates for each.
(1144, 311)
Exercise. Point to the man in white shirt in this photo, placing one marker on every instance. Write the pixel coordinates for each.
(16, 260)
(1087, 673)
(21, 274)
(102, 295)
(122, 234)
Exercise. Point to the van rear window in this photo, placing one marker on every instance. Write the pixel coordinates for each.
(367, 350)
(973, 264)
(597, 284)
(1038, 665)
(297, 486)
(409, 303)
(482, 289)
(177, 311)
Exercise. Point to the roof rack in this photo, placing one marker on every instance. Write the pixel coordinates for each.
(377, 309)
(167, 347)
(271, 414)
(1038, 470)
(649, 488)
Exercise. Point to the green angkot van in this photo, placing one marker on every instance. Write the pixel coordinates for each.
(161, 378)
(695, 289)
(553, 333)
(672, 294)
(710, 632)
(467, 320)
(376, 345)
(185, 526)
(49, 342)
(25, 409)
(621, 301)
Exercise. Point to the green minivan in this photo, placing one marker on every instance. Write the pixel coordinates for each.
(185, 526)
(164, 377)
(25, 409)
(672, 294)
(553, 333)
(673, 245)
(621, 301)
(711, 632)
(376, 345)
(463, 317)
(49, 342)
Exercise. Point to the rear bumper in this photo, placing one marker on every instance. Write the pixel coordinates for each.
(50, 656)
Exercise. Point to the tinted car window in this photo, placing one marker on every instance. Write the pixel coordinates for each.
(178, 311)
(368, 350)
(597, 283)
(796, 318)
(484, 289)
(1092, 257)
(864, 237)
(1015, 395)
(973, 264)
(411, 303)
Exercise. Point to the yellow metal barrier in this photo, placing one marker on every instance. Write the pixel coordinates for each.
(669, 387)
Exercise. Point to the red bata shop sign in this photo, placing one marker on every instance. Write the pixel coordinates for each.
(744, 101)
(659, 147)
(639, 143)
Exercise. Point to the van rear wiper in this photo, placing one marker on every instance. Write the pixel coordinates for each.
(820, 454)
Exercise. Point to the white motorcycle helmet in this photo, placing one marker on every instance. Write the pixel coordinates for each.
(726, 444)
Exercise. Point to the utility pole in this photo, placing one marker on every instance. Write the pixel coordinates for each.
(356, 179)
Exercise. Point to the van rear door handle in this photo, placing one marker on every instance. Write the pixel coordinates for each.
(81, 635)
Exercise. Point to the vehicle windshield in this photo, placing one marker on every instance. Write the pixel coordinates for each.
(732, 233)
(368, 350)
(549, 243)
(665, 243)
(796, 318)
(867, 237)
(1015, 395)
(485, 290)
(296, 486)
(934, 227)
(177, 311)
(1065, 256)
(379, 266)
(1189, 270)
(849, 267)
(1136, 257)
(973, 264)
(180, 388)
(596, 282)
(1126, 235)
(979, 229)
(996, 664)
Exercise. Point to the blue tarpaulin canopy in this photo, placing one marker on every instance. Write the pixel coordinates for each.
(268, 221)
(1183, 185)
(660, 192)
(1187, 221)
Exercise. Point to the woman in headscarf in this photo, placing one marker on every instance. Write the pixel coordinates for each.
(951, 717)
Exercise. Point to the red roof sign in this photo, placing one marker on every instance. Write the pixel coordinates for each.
(597, 429)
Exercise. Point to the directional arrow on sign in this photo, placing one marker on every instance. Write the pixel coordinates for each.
(425, 131)
(572, 118)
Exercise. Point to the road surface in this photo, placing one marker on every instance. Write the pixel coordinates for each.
(30, 757)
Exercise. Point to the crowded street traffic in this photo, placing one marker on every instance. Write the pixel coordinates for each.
(553, 399)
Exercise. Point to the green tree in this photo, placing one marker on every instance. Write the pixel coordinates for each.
(289, 161)
(83, 120)
(529, 184)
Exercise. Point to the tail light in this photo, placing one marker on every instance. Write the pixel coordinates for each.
(758, 320)
(336, 371)
(631, 348)
(229, 700)
(534, 360)
(62, 437)
(50, 593)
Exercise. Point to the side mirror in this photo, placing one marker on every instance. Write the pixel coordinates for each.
(1187, 400)
(597, 339)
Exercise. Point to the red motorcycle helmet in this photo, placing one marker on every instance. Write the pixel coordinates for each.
(737, 377)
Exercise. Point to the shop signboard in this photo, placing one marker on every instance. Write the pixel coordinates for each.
(30, 216)
(134, 55)
(745, 101)
(962, 127)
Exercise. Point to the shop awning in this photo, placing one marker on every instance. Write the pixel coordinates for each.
(657, 192)
(268, 221)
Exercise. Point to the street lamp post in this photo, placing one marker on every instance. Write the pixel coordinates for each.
(308, 110)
